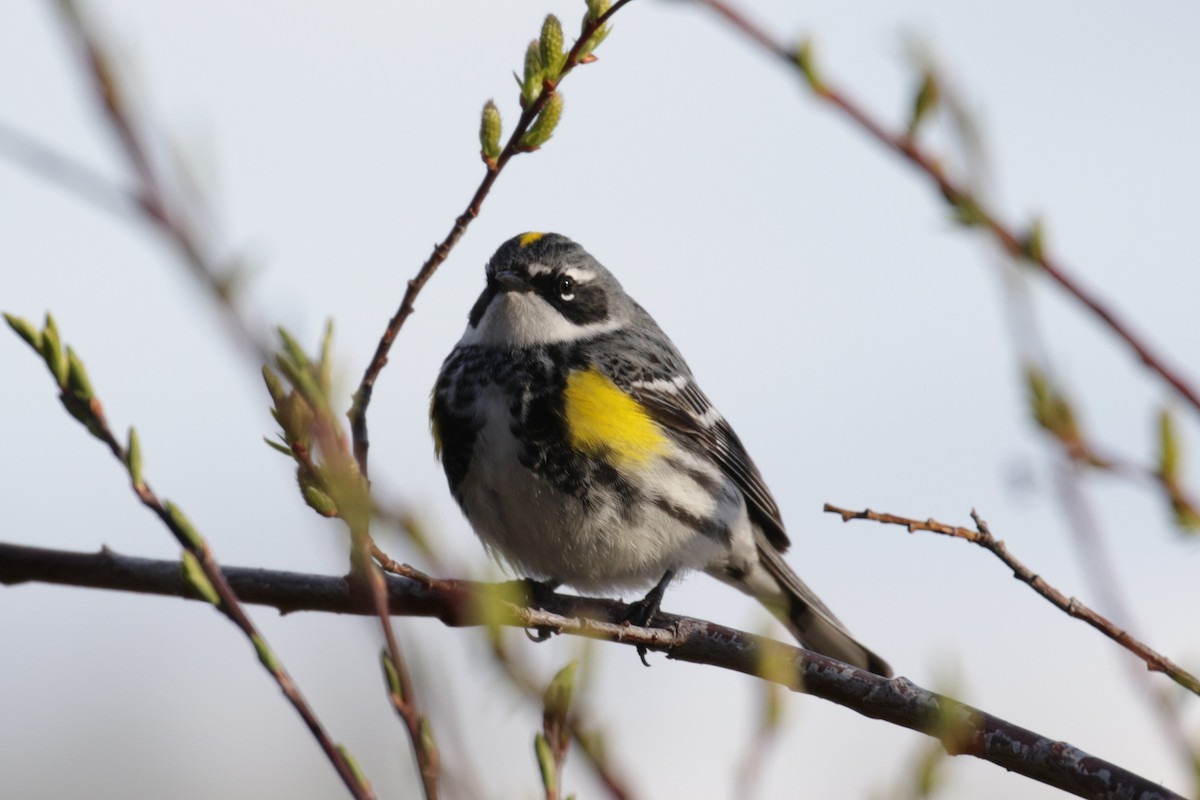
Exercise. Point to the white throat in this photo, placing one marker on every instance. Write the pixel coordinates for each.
(523, 319)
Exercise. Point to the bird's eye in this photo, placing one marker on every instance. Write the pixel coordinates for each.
(566, 287)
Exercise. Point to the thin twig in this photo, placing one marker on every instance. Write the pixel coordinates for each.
(69, 173)
(962, 729)
(1154, 660)
(362, 397)
(166, 210)
(1018, 246)
(76, 395)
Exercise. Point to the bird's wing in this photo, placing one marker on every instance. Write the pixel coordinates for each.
(678, 404)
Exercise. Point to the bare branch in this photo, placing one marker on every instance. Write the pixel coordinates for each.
(963, 730)
(362, 398)
(983, 537)
(1025, 247)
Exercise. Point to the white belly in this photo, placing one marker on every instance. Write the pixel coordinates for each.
(546, 533)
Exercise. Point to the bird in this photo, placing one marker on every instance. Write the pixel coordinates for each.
(582, 452)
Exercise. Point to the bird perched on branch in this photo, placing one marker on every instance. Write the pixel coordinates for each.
(582, 452)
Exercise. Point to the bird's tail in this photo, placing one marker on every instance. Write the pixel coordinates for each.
(778, 588)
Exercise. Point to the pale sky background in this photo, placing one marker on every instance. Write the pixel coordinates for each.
(852, 334)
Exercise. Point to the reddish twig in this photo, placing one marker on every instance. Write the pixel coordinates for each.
(1018, 246)
(77, 396)
(983, 537)
(963, 730)
(165, 209)
(362, 397)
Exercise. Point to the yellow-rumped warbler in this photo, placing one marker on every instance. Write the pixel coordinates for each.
(582, 451)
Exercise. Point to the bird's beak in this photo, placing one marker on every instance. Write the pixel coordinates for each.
(511, 281)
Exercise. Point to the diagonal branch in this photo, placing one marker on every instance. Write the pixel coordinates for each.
(983, 537)
(1020, 246)
(963, 730)
(362, 397)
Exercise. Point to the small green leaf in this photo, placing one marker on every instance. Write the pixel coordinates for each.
(133, 458)
(265, 655)
(543, 127)
(551, 47)
(1168, 447)
(194, 577)
(490, 129)
(926, 101)
(77, 377)
(294, 351)
(287, 451)
(24, 329)
(52, 353)
(183, 527)
(546, 765)
(274, 386)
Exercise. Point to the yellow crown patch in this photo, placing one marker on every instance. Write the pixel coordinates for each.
(529, 238)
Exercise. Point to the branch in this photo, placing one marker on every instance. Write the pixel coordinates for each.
(983, 537)
(516, 144)
(963, 730)
(970, 209)
(163, 207)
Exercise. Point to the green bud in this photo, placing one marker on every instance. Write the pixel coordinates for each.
(596, 10)
(1051, 408)
(354, 767)
(274, 386)
(183, 527)
(53, 354)
(967, 211)
(551, 47)
(390, 675)
(320, 502)
(926, 101)
(531, 85)
(427, 740)
(77, 377)
(543, 127)
(133, 458)
(1168, 447)
(1035, 245)
(31, 335)
(546, 765)
(265, 655)
(489, 132)
(806, 61)
(197, 581)
(556, 700)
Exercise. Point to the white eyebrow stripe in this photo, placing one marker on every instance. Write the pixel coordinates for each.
(579, 274)
(537, 269)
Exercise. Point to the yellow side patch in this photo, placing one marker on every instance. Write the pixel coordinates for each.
(529, 238)
(604, 421)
